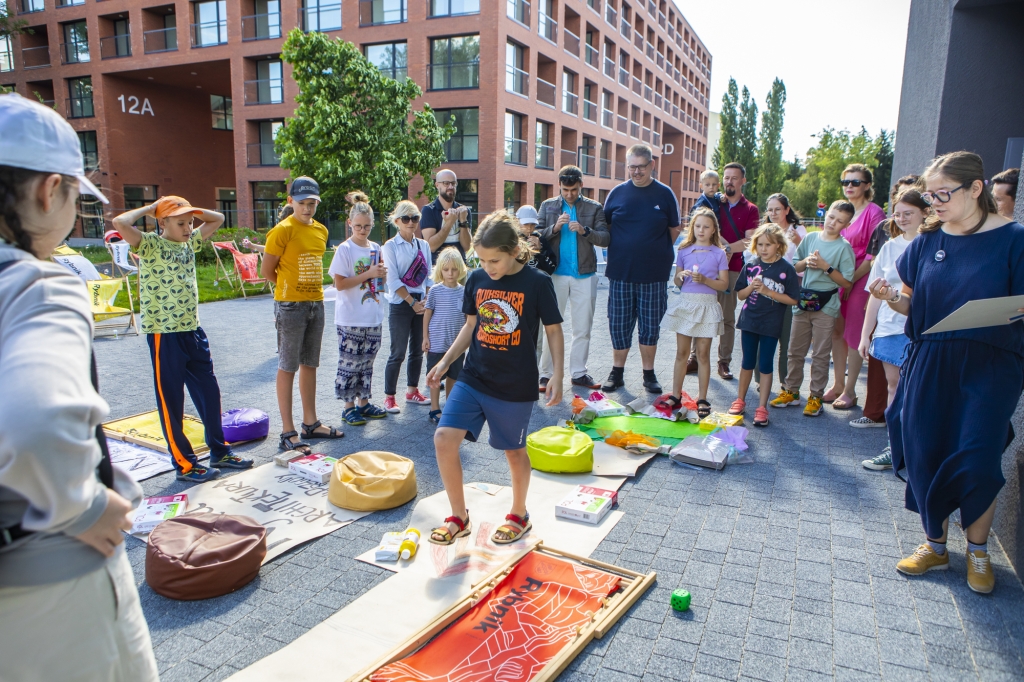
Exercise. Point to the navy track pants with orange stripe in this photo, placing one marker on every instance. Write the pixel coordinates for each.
(182, 359)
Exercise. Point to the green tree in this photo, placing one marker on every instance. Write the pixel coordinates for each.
(825, 163)
(770, 169)
(747, 139)
(10, 26)
(351, 129)
(883, 171)
(728, 142)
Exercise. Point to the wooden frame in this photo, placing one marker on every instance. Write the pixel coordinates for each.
(235, 278)
(106, 321)
(633, 585)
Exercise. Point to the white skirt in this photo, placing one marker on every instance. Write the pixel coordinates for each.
(696, 315)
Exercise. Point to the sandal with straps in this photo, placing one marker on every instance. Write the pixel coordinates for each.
(514, 529)
(668, 402)
(703, 409)
(447, 537)
(286, 444)
(309, 431)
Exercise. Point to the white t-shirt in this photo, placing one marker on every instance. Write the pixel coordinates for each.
(791, 250)
(361, 306)
(890, 322)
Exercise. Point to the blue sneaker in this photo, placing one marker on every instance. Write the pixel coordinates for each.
(231, 461)
(353, 416)
(371, 411)
(198, 474)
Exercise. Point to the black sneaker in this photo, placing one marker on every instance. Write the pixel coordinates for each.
(543, 386)
(652, 385)
(586, 381)
(613, 382)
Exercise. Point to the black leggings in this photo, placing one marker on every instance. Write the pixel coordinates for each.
(406, 329)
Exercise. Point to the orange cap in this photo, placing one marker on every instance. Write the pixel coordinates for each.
(172, 206)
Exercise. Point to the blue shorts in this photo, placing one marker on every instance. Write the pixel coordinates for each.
(467, 409)
(889, 349)
(758, 352)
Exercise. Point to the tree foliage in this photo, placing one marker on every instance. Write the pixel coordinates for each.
(770, 169)
(728, 140)
(352, 129)
(746, 135)
(10, 26)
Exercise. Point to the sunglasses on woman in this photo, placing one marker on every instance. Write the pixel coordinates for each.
(854, 183)
(941, 196)
(406, 219)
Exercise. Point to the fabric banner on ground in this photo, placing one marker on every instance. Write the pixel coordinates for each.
(525, 622)
(144, 429)
(612, 461)
(138, 462)
(648, 426)
(293, 510)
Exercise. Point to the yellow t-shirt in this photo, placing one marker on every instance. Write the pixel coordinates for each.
(300, 272)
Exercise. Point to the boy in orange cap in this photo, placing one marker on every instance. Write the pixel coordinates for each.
(178, 346)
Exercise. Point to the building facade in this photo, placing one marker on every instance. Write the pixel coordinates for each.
(186, 97)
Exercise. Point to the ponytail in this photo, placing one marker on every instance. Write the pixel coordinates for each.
(500, 230)
(285, 211)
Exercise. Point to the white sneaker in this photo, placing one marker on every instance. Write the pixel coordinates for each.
(866, 423)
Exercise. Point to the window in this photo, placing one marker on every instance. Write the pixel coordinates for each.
(75, 48)
(265, 23)
(269, 85)
(546, 24)
(90, 212)
(569, 98)
(266, 200)
(467, 194)
(606, 159)
(29, 6)
(515, 145)
(586, 155)
(390, 58)
(90, 151)
(377, 12)
(455, 63)
(589, 103)
(514, 194)
(602, 196)
(211, 23)
(321, 15)
(162, 39)
(541, 193)
(516, 79)
(137, 196)
(545, 152)
(518, 10)
(227, 203)
(448, 8)
(69, 3)
(119, 44)
(80, 98)
(220, 106)
(464, 145)
(6, 54)
(263, 153)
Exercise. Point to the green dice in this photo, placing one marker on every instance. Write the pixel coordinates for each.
(680, 600)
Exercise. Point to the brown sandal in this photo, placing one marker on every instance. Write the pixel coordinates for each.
(447, 537)
(515, 528)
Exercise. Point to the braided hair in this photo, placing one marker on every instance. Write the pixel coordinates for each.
(12, 184)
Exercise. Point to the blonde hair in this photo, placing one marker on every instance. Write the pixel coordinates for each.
(774, 234)
(709, 174)
(691, 239)
(500, 230)
(403, 208)
(449, 256)
(866, 172)
(843, 206)
(360, 204)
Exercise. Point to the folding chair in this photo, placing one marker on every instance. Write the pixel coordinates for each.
(247, 268)
(102, 291)
(125, 264)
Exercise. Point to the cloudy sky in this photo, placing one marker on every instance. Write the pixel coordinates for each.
(842, 62)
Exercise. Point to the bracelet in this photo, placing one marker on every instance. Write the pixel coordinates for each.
(896, 298)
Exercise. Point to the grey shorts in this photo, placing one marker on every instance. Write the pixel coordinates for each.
(300, 329)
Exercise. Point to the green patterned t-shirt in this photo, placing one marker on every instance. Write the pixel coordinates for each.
(167, 275)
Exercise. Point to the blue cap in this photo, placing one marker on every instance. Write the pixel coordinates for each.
(304, 188)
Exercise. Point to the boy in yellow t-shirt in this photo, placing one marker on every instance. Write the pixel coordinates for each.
(293, 261)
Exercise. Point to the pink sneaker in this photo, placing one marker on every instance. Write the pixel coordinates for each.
(738, 406)
(390, 405)
(416, 398)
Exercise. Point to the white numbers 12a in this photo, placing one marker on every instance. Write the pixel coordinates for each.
(133, 107)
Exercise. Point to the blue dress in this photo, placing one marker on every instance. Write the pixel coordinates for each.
(950, 420)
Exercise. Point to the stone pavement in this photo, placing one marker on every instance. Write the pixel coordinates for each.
(790, 560)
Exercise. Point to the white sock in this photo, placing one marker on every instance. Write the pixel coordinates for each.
(937, 547)
(971, 547)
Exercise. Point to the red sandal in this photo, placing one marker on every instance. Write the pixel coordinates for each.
(511, 531)
(448, 537)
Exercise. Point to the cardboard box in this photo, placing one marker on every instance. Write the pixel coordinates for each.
(155, 510)
(283, 459)
(316, 468)
(606, 408)
(717, 420)
(587, 504)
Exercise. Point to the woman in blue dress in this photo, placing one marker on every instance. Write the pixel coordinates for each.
(950, 420)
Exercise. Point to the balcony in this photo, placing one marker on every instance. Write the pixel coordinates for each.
(611, 16)
(652, 8)
(646, 134)
(650, 51)
(605, 168)
(74, 53)
(264, 91)
(570, 102)
(609, 68)
(671, 32)
(625, 29)
(660, 59)
(634, 129)
(588, 162)
(210, 33)
(381, 12)
(321, 18)
(261, 26)
(113, 47)
(638, 40)
(661, 20)
(519, 10)
(590, 110)
(638, 86)
(623, 77)
(571, 42)
(568, 158)
(79, 107)
(262, 154)
(656, 139)
(608, 118)
(545, 157)
(30, 6)
(35, 57)
(648, 93)
(620, 170)
(547, 27)
(517, 81)
(546, 92)
(455, 76)
(592, 57)
(621, 123)
(658, 101)
(515, 151)
(160, 40)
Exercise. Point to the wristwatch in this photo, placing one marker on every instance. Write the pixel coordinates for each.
(586, 231)
(830, 270)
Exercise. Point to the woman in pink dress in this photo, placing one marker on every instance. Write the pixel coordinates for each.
(846, 336)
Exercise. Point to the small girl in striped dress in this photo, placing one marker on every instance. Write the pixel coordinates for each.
(442, 320)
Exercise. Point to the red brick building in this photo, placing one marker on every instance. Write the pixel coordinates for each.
(185, 97)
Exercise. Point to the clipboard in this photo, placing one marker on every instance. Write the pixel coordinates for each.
(985, 312)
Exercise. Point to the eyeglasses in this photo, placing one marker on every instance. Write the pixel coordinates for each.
(448, 183)
(406, 219)
(634, 169)
(853, 183)
(940, 196)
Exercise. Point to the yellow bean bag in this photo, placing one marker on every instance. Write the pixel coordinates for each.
(373, 480)
(560, 450)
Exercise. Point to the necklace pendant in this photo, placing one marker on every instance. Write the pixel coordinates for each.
(940, 256)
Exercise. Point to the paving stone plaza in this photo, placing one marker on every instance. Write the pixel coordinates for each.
(790, 560)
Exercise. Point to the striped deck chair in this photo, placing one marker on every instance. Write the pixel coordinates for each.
(102, 291)
(246, 270)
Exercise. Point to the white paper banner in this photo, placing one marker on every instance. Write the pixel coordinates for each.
(138, 462)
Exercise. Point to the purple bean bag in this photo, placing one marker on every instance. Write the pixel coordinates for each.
(245, 423)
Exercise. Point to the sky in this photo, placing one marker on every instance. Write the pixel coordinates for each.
(842, 62)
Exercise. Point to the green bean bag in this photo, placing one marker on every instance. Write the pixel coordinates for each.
(560, 450)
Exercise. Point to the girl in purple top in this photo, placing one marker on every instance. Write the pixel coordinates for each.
(702, 271)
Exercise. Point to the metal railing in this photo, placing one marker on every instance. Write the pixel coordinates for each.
(380, 12)
(662, 21)
(113, 47)
(649, 51)
(547, 27)
(546, 92)
(519, 10)
(568, 158)
(607, 118)
(611, 16)
(623, 77)
(160, 40)
(624, 28)
(262, 154)
(660, 59)
(605, 170)
(545, 157)
(648, 93)
(637, 85)
(634, 129)
(590, 110)
(320, 18)
(210, 33)
(658, 101)
(621, 124)
(455, 76)
(79, 107)
(35, 57)
(646, 134)
(515, 151)
(261, 26)
(570, 102)
(609, 68)
(656, 139)
(571, 42)
(638, 40)
(264, 91)
(592, 57)
(517, 80)
(620, 170)
(588, 163)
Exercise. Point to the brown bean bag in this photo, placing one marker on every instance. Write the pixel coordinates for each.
(371, 481)
(203, 556)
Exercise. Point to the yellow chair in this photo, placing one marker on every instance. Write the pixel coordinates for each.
(102, 291)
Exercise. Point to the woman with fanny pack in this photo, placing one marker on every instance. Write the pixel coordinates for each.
(408, 264)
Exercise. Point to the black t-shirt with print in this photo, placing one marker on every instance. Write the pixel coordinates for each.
(761, 314)
(502, 360)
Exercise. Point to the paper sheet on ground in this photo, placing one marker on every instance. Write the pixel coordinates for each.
(397, 608)
(293, 509)
(985, 312)
(612, 461)
(138, 462)
(144, 429)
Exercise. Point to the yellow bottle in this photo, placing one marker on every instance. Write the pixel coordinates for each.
(410, 544)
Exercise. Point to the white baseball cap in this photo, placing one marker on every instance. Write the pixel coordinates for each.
(527, 214)
(36, 137)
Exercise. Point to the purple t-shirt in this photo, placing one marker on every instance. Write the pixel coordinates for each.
(710, 260)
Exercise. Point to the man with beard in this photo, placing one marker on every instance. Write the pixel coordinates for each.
(445, 222)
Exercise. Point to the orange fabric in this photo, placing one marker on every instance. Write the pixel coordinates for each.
(186, 466)
(512, 634)
(227, 246)
(171, 206)
(247, 266)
